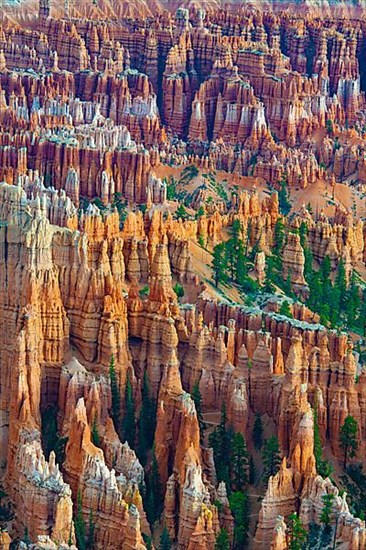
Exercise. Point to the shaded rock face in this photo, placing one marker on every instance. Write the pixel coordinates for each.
(97, 103)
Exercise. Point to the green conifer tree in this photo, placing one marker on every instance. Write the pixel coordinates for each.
(258, 432)
(80, 528)
(284, 198)
(179, 290)
(197, 398)
(308, 266)
(239, 463)
(147, 420)
(26, 539)
(91, 532)
(129, 425)
(201, 241)
(252, 470)
(279, 236)
(165, 542)
(200, 212)
(353, 302)
(95, 437)
(116, 398)
(327, 510)
(323, 467)
(348, 438)
(181, 212)
(231, 247)
(285, 309)
(219, 266)
(154, 500)
(325, 269)
(303, 232)
(297, 533)
(220, 441)
(271, 457)
(239, 506)
(6, 513)
(222, 540)
(341, 283)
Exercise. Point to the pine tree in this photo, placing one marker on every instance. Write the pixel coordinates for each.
(197, 398)
(297, 533)
(241, 268)
(362, 313)
(49, 430)
(154, 501)
(348, 438)
(6, 513)
(220, 441)
(239, 506)
(231, 256)
(326, 513)
(234, 251)
(26, 538)
(279, 236)
(236, 229)
(91, 532)
(286, 286)
(308, 266)
(219, 267)
(239, 463)
(147, 420)
(181, 212)
(128, 424)
(353, 301)
(303, 231)
(116, 398)
(285, 308)
(248, 237)
(271, 457)
(200, 212)
(317, 440)
(335, 310)
(283, 198)
(222, 540)
(341, 283)
(147, 541)
(258, 432)
(51, 438)
(165, 542)
(79, 523)
(95, 437)
(201, 241)
(326, 269)
(323, 467)
(179, 290)
(252, 470)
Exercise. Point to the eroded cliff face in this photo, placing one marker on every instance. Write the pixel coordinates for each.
(262, 80)
(72, 297)
(123, 146)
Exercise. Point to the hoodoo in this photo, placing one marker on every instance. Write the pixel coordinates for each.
(182, 275)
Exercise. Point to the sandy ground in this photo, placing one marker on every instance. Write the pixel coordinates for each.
(320, 194)
(201, 261)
